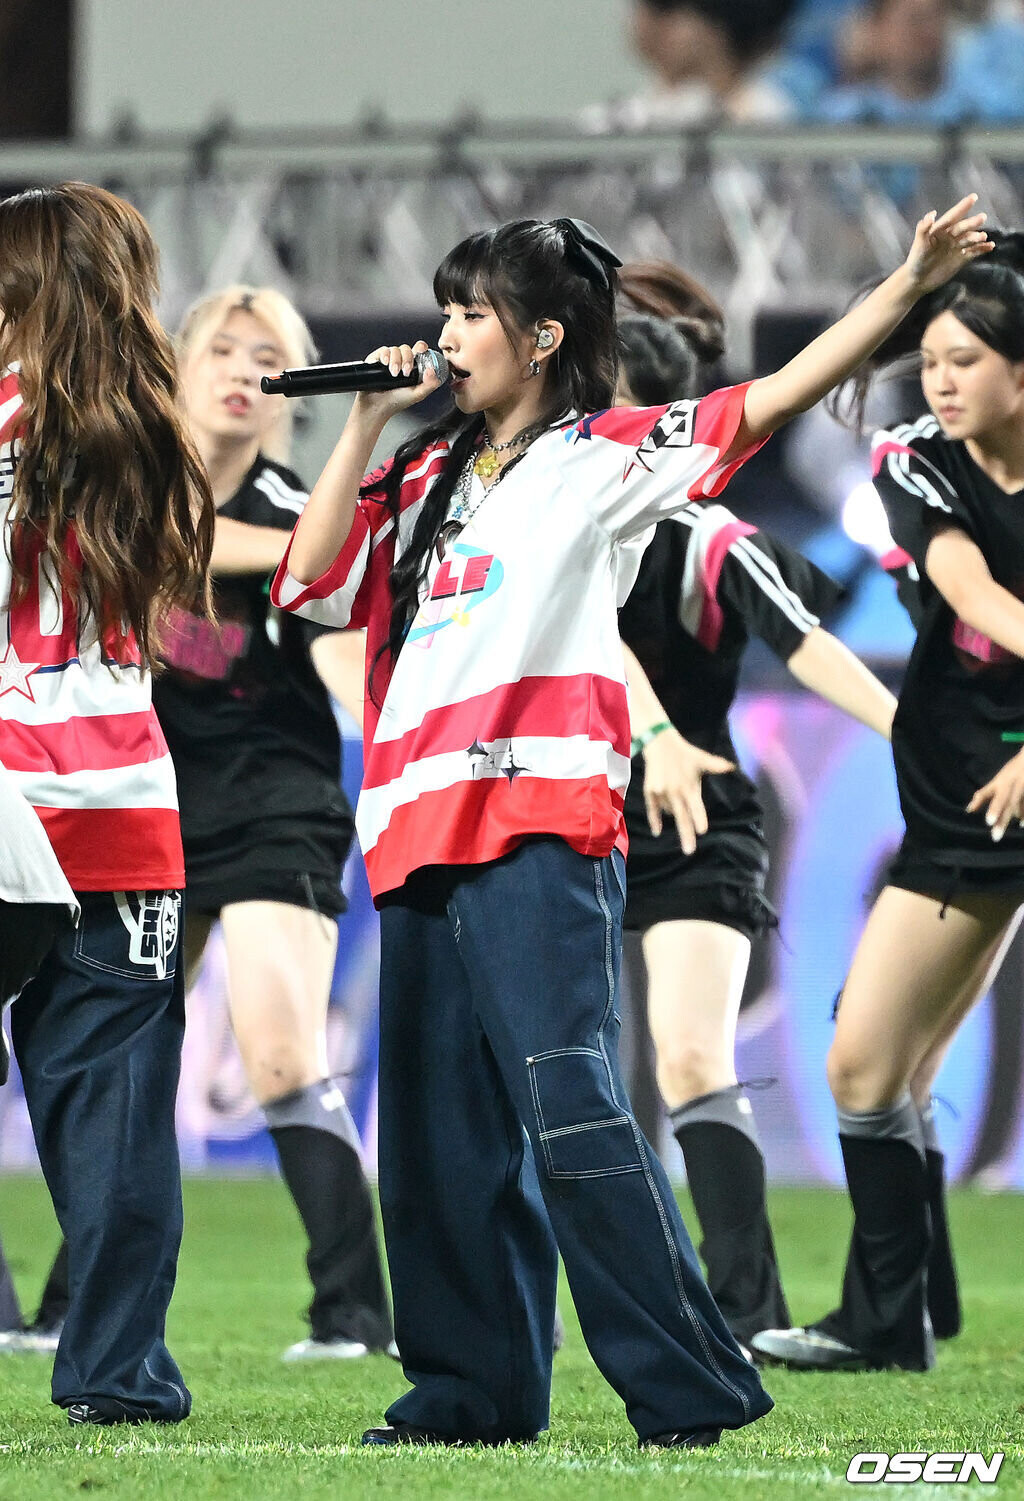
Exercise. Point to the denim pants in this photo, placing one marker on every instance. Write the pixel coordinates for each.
(505, 1137)
(98, 1037)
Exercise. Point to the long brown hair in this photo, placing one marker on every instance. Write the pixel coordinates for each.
(106, 461)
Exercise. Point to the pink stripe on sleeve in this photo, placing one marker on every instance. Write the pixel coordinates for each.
(712, 618)
(882, 450)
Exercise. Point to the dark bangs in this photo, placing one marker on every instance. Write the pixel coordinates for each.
(466, 275)
(989, 300)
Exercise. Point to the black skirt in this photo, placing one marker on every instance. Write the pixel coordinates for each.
(948, 873)
(296, 860)
(723, 882)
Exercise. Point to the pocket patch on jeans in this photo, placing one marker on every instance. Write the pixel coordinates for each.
(145, 944)
(583, 1132)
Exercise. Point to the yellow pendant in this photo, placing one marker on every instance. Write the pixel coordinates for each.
(487, 464)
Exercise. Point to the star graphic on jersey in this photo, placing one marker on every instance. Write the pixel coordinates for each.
(512, 770)
(476, 749)
(14, 674)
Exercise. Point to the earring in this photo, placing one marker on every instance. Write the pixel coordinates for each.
(545, 339)
(534, 367)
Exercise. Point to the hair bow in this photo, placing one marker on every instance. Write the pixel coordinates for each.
(588, 251)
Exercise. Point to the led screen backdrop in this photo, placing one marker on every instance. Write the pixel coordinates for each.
(833, 822)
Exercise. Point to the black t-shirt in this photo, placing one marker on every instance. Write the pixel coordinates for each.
(961, 692)
(707, 583)
(249, 724)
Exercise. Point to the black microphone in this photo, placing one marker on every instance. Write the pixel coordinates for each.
(352, 375)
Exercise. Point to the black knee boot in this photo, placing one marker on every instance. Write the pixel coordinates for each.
(726, 1177)
(943, 1284)
(318, 1149)
(884, 1309)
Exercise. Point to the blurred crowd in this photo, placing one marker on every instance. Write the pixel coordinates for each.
(901, 62)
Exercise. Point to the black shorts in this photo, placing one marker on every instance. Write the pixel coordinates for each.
(956, 873)
(724, 882)
(294, 860)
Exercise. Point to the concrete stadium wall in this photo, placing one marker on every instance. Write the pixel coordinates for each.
(307, 63)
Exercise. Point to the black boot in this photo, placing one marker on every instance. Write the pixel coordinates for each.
(943, 1284)
(726, 1177)
(323, 1170)
(884, 1309)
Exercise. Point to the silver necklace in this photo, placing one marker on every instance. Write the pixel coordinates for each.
(462, 512)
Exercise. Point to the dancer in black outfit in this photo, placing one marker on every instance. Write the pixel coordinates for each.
(265, 824)
(697, 856)
(952, 484)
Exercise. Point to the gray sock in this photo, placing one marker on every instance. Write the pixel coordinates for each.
(320, 1106)
(898, 1122)
(722, 1107)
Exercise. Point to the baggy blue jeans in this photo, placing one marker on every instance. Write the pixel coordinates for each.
(505, 1137)
(98, 1036)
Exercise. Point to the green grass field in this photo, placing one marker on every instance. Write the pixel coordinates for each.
(263, 1430)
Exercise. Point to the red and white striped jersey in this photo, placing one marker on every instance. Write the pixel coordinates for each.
(78, 733)
(505, 714)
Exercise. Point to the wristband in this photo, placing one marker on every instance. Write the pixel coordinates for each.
(642, 741)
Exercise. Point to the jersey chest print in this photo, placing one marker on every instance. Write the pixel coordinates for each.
(465, 579)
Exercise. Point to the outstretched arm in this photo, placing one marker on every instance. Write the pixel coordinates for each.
(827, 667)
(239, 547)
(941, 246)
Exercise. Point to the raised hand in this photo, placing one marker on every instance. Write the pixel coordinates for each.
(942, 245)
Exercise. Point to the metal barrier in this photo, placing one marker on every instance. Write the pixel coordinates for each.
(356, 222)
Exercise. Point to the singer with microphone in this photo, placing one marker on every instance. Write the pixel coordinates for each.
(485, 560)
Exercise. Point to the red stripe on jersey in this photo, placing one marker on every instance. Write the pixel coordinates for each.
(716, 424)
(536, 706)
(336, 576)
(98, 742)
(117, 849)
(477, 821)
(895, 559)
(626, 425)
(371, 517)
(420, 474)
(712, 617)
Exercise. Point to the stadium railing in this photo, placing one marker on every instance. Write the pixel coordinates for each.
(356, 222)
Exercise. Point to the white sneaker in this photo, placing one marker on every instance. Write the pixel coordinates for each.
(29, 1341)
(807, 1349)
(326, 1349)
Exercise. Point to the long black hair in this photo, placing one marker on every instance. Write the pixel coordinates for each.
(527, 271)
(987, 297)
(675, 335)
